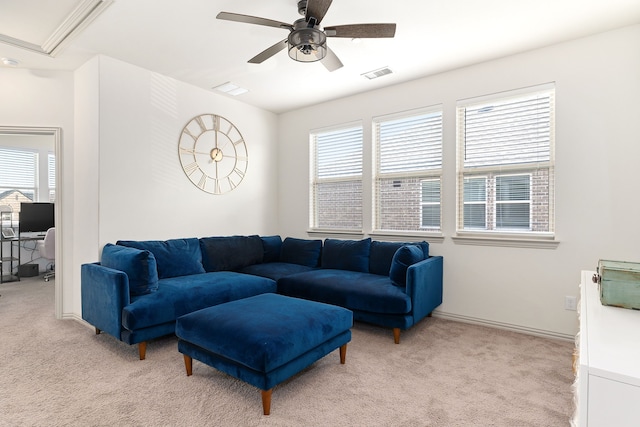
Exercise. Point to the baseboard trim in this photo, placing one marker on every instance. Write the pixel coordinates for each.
(77, 318)
(505, 326)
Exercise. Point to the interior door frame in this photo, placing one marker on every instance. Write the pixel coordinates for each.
(56, 133)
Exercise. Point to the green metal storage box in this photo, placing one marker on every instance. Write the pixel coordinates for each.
(619, 283)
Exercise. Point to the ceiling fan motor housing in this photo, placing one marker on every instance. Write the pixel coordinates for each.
(306, 44)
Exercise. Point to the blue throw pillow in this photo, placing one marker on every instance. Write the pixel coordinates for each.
(230, 253)
(301, 251)
(271, 246)
(175, 257)
(382, 255)
(140, 266)
(404, 257)
(352, 255)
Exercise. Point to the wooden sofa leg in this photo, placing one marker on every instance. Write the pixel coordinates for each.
(343, 354)
(98, 331)
(396, 335)
(188, 364)
(142, 349)
(266, 401)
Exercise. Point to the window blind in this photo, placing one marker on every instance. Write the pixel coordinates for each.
(336, 187)
(18, 169)
(51, 163)
(506, 162)
(408, 169)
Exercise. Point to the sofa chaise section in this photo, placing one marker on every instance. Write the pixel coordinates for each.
(140, 288)
(390, 284)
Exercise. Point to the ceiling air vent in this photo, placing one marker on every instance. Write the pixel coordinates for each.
(378, 73)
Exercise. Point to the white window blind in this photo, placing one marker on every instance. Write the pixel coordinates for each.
(506, 162)
(336, 184)
(408, 158)
(19, 172)
(51, 163)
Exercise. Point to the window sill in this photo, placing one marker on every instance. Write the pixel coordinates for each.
(431, 237)
(507, 241)
(317, 232)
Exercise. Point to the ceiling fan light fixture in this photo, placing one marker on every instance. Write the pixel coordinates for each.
(307, 45)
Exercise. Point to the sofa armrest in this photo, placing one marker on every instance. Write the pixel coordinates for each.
(424, 286)
(104, 293)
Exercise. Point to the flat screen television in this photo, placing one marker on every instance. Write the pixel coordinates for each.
(36, 217)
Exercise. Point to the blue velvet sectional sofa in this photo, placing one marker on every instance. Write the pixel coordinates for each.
(139, 288)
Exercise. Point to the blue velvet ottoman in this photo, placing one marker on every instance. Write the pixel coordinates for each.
(265, 339)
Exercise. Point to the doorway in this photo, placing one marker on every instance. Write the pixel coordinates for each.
(41, 138)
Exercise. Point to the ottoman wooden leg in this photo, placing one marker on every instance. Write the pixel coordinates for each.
(266, 401)
(188, 364)
(343, 353)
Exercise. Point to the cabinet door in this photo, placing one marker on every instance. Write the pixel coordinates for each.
(612, 403)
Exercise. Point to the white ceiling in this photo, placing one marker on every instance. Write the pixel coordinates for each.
(182, 39)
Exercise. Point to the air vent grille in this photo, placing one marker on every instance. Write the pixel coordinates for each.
(377, 73)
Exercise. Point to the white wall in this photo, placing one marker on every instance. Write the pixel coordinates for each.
(597, 128)
(130, 182)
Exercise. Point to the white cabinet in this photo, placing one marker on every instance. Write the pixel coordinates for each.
(607, 388)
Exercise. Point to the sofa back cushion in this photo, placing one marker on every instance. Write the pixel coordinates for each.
(382, 255)
(352, 255)
(301, 251)
(175, 257)
(404, 257)
(271, 246)
(139, 265)
(230, 253)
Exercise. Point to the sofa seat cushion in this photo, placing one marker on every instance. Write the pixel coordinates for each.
(349, 289)
(275, 270)
(177, 296)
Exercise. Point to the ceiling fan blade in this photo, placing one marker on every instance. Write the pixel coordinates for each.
(253, 20)
(269, 52)
(362, 31)
(331, 61)
(317, 9)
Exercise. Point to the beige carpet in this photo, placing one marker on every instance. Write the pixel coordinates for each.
(444, 373)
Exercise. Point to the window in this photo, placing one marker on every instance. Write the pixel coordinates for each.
(51, 166)
(506, 163)
(408, 169)
(336, 183)
(430, 204)
(513, 202)
(475, 203)
(20, 179)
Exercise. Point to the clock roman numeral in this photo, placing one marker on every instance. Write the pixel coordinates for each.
(203, 181)
(190, 168)
(216, 123)
(203, 127)
(231, 183)
(187, 150)
(188, 132)
(239, 172)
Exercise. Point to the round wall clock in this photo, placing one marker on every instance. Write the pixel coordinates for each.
(213, 153)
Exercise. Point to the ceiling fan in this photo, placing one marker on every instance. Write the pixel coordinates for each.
(307, 40)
